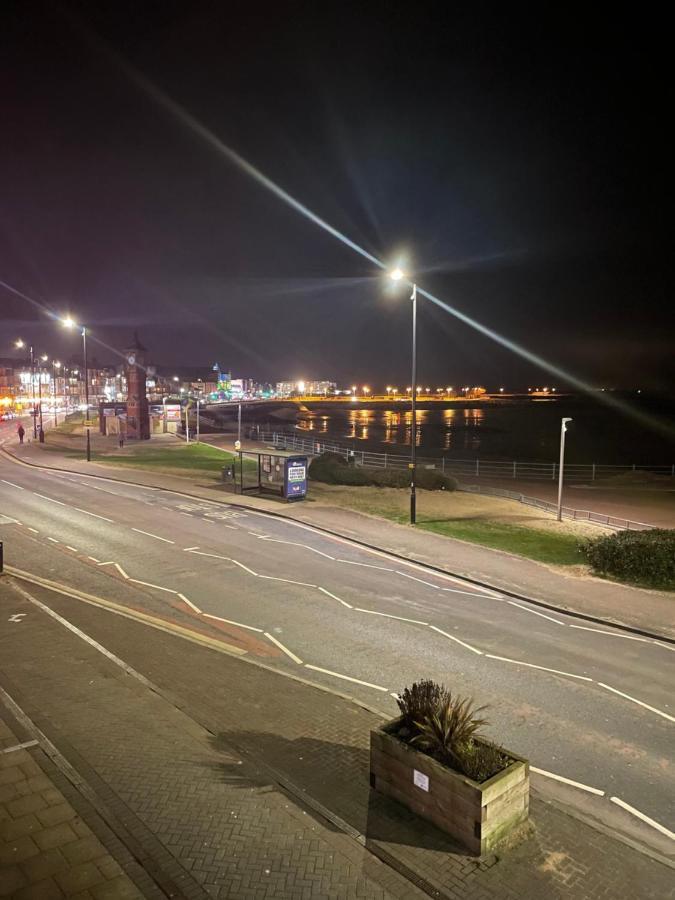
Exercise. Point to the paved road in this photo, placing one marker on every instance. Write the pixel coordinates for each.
(588, 704)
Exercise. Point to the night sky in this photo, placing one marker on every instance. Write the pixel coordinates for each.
(519, 163)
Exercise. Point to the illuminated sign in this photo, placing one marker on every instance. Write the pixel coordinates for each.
(295, 477)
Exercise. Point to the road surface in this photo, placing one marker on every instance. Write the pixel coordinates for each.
(588, 704)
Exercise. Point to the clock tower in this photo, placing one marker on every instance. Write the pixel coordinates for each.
(138, 417)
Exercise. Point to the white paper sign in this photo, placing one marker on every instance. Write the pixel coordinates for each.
(421, 780)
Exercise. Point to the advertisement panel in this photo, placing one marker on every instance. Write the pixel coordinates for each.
(295, 477)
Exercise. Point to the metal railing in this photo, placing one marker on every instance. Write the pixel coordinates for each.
(461, 468)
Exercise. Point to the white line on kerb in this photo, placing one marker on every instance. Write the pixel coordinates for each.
(377, 687)
(519, 662)
(11, 484)
(95, 515)
(93, 559)
(156, 536)
(535, 613)
(351, 562)
(421, 581)
(156, 586)
(19, 747)
(457, 640)
(577, 784)
(51, 499)
(636, 812)
(374, 612)
(639, 702)
(285, 649)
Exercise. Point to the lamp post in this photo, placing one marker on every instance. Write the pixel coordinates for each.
(69, 323)
(563, 429)
(20, 344)
(55, 365)
(397, 275)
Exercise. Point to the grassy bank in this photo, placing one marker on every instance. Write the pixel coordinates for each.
(489, 521)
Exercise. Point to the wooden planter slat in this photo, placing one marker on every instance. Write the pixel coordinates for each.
(476, 815)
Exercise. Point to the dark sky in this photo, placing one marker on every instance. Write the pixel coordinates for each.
(519, 162)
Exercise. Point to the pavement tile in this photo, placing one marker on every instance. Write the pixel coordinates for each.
(21, 806)
(82, 850)
(11, 774)
(55, 835)
(54, 815)
(44, 864)
(12, 880)
(14, 828)
(119, 888)
(17, 850)
(79, 878)
(41, 890)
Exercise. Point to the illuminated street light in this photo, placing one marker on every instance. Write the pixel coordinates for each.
(68, 322)
(397, 275)
(563, 429)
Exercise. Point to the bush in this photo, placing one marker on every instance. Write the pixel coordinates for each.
(646, 556)
(420, 700)
(331, 468)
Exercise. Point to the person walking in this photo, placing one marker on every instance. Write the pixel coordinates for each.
(21, 432)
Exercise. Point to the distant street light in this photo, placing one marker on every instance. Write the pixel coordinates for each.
(70, 323)
(20, 344)
(563, 429)
(55, 365)
(397, 275)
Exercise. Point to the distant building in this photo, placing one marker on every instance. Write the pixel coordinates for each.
(305, 388)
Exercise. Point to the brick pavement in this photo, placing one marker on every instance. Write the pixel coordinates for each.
(47, 851)
(236, 794)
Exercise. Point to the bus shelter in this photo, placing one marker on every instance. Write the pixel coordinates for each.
(279, 473)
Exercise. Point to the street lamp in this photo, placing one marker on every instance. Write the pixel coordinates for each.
(398, 275)
(20, 344)
(563, 429)
(55, 365)
(69, 323)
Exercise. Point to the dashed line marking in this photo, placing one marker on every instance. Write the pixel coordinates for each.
(643, 817)
(627, 637)
(188, 515)
(187, 549)
(339, 600)
(519, 662)
(374, 612)
(51, 499)
(376, 687)
(53, 540)
(155, 536)
(95, 515)
(232, 622)
(93, 559)
(74, 549)
(34, 530)
(288, 652)
(11, 484)
(535, 613)
(639, 702)
(577, 784)
(420, 580)
(457, 640)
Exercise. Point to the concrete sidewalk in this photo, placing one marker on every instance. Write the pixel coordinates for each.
(239, 782)
(648, 610)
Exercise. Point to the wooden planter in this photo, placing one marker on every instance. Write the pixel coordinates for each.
(478, 816)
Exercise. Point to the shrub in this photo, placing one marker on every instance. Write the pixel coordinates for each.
(641, 556)
(448, 732)
(482, 760)
(331, 468)
(421, 699)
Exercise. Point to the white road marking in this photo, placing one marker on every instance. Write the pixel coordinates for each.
(11, 484)
(519, 662)
(577, 784)
(186, 549)
(285, 580)
(272, 540)
(374, 612)
(350, 562)
(19, 746)
(188, 515)
(639, 702)
(34, 530)
(535, 613)
(117, 566)
(93, 559)
(640, 815)
(149, 584)
(241, 565)
(95, 515)
(288, 652)
(457, 640)
(74, 549)
(232, 622)
(627, 637)
(376, 687)
(190, 603)
(53, 540)
(156, 536)
(474, 593)
(94, 487)
(343, 602)
(414, 578)
(51, 499)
